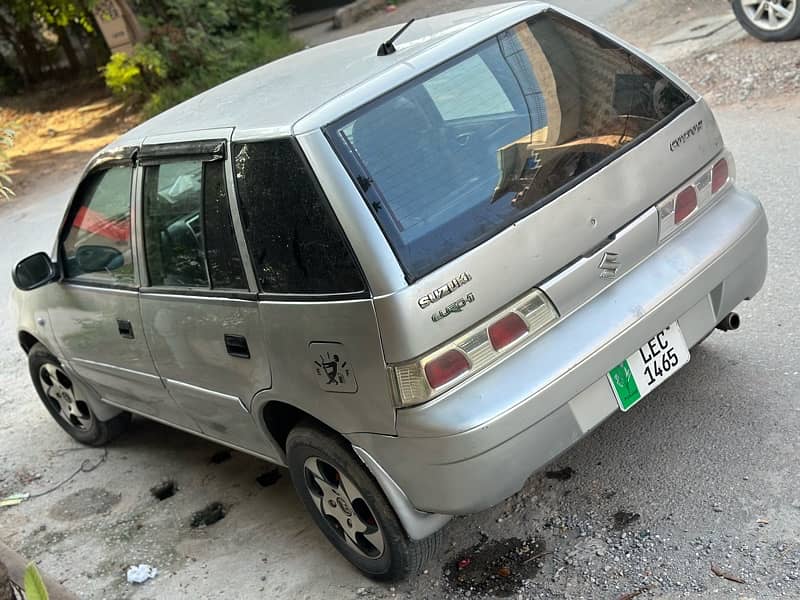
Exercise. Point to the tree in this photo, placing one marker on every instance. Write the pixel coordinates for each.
(21, 24)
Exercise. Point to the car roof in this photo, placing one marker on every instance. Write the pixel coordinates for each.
(269, 101)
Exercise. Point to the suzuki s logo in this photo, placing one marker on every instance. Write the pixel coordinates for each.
(609, 265)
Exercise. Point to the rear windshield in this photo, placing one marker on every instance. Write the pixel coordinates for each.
(457, 155)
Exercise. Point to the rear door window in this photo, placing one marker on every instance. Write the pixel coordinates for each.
(296, 243)
(188, 234)
(457, 155)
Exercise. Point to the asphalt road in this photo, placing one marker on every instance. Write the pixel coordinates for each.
(709, 463)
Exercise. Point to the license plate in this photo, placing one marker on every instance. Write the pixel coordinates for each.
(649, 366)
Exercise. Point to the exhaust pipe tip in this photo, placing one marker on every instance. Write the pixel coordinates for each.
(731, 322)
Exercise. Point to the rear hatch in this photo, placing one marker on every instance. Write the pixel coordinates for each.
(507, 165)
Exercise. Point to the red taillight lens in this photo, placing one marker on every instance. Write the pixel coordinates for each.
(719, 176)
(685, 204)
(506, 330)
(445, 368)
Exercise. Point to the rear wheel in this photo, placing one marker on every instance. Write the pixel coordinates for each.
(769, 20)
(64, 402)
(349, 507)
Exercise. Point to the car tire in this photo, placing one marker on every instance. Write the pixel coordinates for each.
(760, 28)
(342, 498)
(73, 414)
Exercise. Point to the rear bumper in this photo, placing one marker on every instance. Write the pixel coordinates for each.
(475, 446)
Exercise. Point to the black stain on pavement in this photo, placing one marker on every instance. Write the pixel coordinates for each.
(495, 567)
(211, 514)
(220, 457)
(560, 474)
(623, 518)
(268, 478)
(165, 489)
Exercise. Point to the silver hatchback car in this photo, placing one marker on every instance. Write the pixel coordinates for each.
(412, 266)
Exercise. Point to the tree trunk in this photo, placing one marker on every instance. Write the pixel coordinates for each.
(29, 54)
(69, 50)
(8, 32)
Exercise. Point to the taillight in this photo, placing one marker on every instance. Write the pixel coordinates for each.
(507, 330)
(719, 175)
(421, 379)
(445, 368)
(694, 195)
(685, 203)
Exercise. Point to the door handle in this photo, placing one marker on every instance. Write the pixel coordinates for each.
(237, 346)
(125, 329)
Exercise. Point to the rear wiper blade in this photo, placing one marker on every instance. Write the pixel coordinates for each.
(387, 47)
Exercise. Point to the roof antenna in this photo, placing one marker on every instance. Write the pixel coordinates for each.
(388, 48)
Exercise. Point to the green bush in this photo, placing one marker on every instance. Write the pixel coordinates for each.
(133, 78)
(195, 45)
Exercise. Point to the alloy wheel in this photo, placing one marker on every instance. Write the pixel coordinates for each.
(60, 393)
(769, 15)
(342, 504)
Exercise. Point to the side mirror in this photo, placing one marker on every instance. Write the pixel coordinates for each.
(92, 259)
(33, 272)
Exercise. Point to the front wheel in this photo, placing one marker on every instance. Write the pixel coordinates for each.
(64, 402)
(349, 507)
(769, 20)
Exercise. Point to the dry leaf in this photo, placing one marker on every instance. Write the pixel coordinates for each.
(632, 595)
(725, 575)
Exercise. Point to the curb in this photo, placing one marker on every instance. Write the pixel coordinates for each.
(16, 572)
(355, 11)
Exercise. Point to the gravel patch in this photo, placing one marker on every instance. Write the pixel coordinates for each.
(741, 71)
(744, 71)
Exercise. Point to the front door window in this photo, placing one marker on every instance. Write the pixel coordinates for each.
(97, 244)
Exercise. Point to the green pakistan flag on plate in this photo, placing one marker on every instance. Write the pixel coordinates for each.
(625, 385)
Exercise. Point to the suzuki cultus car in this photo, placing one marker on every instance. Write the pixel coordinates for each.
(412, 266)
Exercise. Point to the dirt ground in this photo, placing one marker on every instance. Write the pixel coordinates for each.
(610, 527)
(59, 128)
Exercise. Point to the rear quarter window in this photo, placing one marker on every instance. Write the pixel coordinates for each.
(296, 243)
(452, 158)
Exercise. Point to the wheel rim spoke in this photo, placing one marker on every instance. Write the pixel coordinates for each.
(782, 11)
(773, 20)
(376, 539)
(353, 543)
(349, 490)
(313, 467)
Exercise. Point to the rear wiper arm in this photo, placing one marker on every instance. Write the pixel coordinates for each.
(387, 47)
